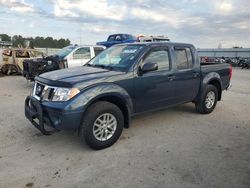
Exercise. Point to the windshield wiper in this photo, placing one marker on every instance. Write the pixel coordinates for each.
(89, 65)
(109, 67)
(100, 66)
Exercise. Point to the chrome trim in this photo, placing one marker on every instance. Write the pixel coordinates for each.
(229, 86)
(46, 87)
(34, 91)
(104, 126)
(210, 99)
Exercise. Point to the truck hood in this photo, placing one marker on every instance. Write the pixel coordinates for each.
(79, 75)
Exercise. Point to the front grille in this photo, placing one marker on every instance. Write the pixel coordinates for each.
(42, 91)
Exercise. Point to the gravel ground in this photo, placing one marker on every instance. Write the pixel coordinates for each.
(170, 148)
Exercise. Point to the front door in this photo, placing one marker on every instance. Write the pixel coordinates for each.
(155, 89)
(80, 57)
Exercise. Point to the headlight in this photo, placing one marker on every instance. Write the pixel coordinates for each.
(64, 94)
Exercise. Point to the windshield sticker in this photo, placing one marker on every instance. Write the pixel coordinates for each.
(129, 51)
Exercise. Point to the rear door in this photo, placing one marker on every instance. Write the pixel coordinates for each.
(155, 89)
(187, 74)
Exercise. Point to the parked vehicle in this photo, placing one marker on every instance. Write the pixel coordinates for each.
(212, 60)
(118, 39)
(1, 58)
(153, 38)
(245, 64)
(68, 57)
(232, 61)
(241, 62)
(99, 99)
(13, 59)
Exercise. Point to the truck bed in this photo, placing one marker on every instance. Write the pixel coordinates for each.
(223, 70)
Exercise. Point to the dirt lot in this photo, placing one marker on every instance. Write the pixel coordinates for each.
(170, 148)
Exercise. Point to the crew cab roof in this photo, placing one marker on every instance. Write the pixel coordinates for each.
(86, 46)
(157, 43)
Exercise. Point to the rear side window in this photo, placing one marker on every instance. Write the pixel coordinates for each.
(159, 56)
(118, 38)
(22, 54)
(111, 38)
(98, 50)
(129, 37)
(184, 58)
(82, 53)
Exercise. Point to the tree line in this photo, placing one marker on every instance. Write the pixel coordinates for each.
(39, 42)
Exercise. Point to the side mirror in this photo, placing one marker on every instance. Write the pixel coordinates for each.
(148, 67)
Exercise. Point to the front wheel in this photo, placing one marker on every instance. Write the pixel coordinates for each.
(208, 100)
(5, 69)
(102, 125)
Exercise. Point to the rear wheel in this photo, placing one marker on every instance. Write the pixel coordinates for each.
(208, 100)
(102, 125)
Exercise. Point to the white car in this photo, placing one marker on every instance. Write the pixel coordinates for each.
(79, 55)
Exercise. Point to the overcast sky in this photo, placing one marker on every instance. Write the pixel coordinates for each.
(204, 23)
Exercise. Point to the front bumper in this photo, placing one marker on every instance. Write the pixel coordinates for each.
(49, 118)
(33, 110)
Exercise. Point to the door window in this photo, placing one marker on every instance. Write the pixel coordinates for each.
(82, 53)
(22, 54)
(159, 56)
(184, 59)
(98, 50)
(118, 38)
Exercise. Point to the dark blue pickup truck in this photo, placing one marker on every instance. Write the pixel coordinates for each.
(118, 39)
(99, 99)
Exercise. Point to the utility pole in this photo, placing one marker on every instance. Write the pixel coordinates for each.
(80, 35)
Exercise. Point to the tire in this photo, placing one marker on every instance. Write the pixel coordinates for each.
(205, 105)
(4, 69)
(96, 115)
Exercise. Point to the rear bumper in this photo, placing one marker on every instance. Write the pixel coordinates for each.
(43, 116)
(229, 86)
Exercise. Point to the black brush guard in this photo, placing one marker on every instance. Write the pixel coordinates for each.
(33, 68)
(33, 110)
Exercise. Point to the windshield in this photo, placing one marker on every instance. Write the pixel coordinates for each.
(65, 51)
(118, 58)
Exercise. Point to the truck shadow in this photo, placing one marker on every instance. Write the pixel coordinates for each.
(163, 117)
(183, 109)
(71, 141)
(65, 139)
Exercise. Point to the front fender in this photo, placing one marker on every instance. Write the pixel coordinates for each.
(93, 93)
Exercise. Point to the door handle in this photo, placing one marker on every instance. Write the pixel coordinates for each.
(171, 77)
(196, 74)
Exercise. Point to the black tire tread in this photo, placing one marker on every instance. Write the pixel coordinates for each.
(91, 114)
(200, 105)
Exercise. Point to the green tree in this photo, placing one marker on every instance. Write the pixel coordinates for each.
(5, 37)
(39, 42)
(17, 40)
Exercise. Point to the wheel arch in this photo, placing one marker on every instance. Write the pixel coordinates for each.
(119, 102)
(111, 93)
(217, 84)
(214, 79)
